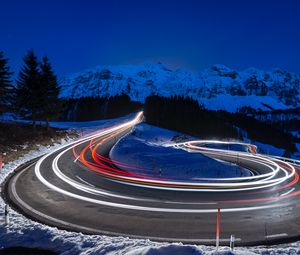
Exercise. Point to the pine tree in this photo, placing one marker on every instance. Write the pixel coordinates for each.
(50, 101)
(29, 90)
(6, 88)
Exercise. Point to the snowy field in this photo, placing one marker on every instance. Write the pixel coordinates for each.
(234, 103)
(27, 233)
(145, 145)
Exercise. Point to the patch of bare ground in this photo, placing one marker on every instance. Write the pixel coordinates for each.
(17, 139)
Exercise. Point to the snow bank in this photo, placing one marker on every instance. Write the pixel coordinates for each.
(146, 150)
(27, 233)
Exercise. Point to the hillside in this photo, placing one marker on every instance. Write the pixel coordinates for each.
(218, 87)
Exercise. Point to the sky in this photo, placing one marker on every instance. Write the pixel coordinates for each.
(80, 34)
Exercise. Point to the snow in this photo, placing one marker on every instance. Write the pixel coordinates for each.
(146, 150)
(7, 116)
(297, 154)
(277, 88)
(168, 249)
(268, 149)
(234, 103)
(84, 126)
(90, 126)
(296, 133)
(27, 233)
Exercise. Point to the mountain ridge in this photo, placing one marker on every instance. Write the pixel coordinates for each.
(217, 88)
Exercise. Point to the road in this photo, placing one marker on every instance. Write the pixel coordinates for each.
(78, 188)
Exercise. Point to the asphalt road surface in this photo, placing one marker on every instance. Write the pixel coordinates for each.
(78, 188)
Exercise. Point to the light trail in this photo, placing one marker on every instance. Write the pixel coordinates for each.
(277, 174)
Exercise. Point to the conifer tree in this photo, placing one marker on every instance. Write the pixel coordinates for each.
(29, 91)
(50, 101)
(6, 89)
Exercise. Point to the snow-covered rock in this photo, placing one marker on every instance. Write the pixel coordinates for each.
(275, 89)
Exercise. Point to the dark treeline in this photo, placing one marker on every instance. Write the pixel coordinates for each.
(285, 119)
(250, 111)
(37, 90)
(186, 115)
(6, 87)
(288, 125)
(35, 95)
(94, 108)
(264, 132)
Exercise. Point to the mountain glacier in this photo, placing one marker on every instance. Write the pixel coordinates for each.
(218, 87)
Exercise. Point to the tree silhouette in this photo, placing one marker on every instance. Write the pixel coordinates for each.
(29, 90)
(50, 91)
(6, 88)
(185, 115)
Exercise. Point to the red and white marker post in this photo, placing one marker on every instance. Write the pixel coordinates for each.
(218, 228)
(1, 161)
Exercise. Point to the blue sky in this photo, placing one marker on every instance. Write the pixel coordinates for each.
(194, 34)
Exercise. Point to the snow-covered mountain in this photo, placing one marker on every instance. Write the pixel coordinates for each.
(218, 87)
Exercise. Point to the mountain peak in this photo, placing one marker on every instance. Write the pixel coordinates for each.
(253, 87)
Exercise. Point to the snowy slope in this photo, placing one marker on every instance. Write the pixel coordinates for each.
(278, 89)
(27, 233)
(146, 150)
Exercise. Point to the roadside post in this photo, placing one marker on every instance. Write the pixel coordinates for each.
(218, 228)
(154, 166)
(232, 239)
(6, 215)
(1, 161)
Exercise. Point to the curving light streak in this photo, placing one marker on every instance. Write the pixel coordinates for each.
(279, 172)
